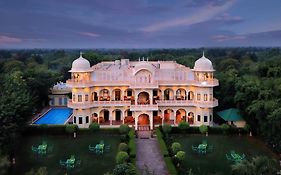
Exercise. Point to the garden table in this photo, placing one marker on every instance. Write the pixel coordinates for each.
(70, 162)
(202, 148)
(99, 148)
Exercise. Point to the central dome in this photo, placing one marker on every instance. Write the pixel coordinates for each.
(80, 65)
(203, 64)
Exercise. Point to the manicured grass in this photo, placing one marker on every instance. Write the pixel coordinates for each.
(216, 161)
(63, 147)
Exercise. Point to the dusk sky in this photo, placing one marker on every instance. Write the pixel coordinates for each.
(139, 23)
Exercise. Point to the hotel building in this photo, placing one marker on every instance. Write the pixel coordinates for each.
(141, 93)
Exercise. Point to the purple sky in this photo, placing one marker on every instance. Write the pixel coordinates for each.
(139, 23)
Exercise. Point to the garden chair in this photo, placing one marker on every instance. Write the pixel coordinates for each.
(228, 157)
(92, 148)
(34, 149)
(194, 148)
(62, 163)
(78, 163)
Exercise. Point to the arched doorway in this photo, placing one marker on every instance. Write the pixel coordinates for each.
(190, 118)
(168, 94)
(104, 95)
(143, 122)
(180, 115)
(181, 94)
(143, 98)
(104, 116)
(168, 113)
(116, 94)
(95, 117)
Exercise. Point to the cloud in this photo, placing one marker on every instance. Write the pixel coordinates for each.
(204, 14)
(221, 38)
(9, 40)
(91, 34)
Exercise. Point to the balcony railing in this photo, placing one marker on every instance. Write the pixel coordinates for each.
(91, 104)
(209, 83)
(148, 107)
(213, 103)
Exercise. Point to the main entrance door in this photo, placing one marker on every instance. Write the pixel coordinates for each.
(143, 122)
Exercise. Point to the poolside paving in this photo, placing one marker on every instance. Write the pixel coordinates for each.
(149, 155)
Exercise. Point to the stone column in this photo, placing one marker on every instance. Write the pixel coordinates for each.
(136, 123)
(123, 116)
(110, 116)
(151, 121)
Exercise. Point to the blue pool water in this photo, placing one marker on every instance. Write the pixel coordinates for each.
(55, 116)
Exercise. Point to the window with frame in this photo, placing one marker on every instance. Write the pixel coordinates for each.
(87, 119)
(198, 97)
(74, 119)
(86, 97)
(80, 120)
(198, 118)
(211, 97)
(211, 118)
(205, 118)
(205, 97)
(73, 98)
(79, 98)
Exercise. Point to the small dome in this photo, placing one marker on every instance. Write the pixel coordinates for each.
(80, 65)
(203, 64)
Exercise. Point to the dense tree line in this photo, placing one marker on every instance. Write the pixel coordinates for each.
(249, 80)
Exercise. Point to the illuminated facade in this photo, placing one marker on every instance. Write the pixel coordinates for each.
(141, 93)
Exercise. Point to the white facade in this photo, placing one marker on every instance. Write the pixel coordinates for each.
(142, 93)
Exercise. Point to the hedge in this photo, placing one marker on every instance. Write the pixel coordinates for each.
(211, 130)
(162, 144)
(60, 130)
(132, 144)
(170, 166)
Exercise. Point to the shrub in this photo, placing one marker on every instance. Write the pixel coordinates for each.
(70, 129)
(132, 148)
(124, 129)
(203, 129)
(161, 142)
(180, 156)
(94, 127)
(167, 128)
(126, 169)
(183, 126)
(131, 134)
(123, 147)
(170, 166)
(122, 157)
(176, 147)
(224, 127)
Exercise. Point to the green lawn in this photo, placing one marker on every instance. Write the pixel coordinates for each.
(63, 147)
(216, 161)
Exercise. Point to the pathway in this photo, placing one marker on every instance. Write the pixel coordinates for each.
(148, 154)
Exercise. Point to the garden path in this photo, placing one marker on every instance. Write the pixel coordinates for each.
(149, 155)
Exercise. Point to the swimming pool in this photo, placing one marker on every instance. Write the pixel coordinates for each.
(55, 116)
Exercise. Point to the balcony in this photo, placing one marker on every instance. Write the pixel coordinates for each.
(92, 104)
(137, 85)
(209, 83)
(140, 107)
(203, 104)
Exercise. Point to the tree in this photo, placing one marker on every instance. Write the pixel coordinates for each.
(124, 129)
(4, 164)
(122, 157)
(123, 147)
(176, 147)
(15, 108)
(203, 129)
(180, 156)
